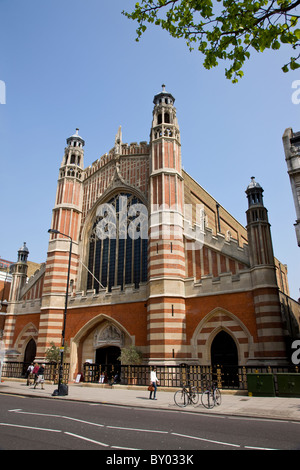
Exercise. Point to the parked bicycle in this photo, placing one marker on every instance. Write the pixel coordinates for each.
(187, 395)
(211, 397)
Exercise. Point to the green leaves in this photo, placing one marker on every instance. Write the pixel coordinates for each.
(294, 65)
(224, 29)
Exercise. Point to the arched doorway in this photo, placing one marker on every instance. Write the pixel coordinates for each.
(30, 352)
(107, 359)
(108, 355)
(98, 334)
(29, 355)
(225, 355)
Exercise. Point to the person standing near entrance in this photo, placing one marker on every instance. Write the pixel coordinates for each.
(154, 381)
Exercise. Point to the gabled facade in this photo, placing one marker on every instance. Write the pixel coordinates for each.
(156, 262)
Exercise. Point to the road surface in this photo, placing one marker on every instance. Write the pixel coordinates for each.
(47, 424)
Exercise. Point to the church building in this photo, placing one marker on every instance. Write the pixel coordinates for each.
(155, 262)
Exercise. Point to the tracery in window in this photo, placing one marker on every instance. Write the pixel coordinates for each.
(118, 244)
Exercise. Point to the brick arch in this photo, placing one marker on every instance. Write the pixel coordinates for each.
(217, 320)
(28, 332)
(85, 334)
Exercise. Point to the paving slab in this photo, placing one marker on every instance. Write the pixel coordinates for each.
(233, 404)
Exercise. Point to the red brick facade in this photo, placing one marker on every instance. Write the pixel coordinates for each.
(202, 276)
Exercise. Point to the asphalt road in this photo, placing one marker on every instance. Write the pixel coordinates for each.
(46, 424)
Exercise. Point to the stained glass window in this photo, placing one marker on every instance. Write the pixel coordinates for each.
(117, 244)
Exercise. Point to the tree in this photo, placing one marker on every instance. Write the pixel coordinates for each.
(53, 353)
(225, 29)
(131, 356)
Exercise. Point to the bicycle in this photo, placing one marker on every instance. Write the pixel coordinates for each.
(186, 396)
(211, 397)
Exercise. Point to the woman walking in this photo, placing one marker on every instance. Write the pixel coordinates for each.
(154, 381)
(35, 372)
(40, 376)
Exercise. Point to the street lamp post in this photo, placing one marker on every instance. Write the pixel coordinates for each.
(63, 390)
(3, 303)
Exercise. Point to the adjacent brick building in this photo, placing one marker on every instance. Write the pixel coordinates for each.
(155, 262)
(291, 144)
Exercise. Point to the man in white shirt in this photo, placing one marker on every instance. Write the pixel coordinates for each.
(154, 381)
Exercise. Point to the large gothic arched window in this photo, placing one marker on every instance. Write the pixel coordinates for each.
(118, 243)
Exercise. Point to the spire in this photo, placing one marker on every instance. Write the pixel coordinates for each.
(118, 141)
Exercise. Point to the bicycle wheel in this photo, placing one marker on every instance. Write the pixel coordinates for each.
(207, 399)
(195, 395)
(181, 398)
(217, 397)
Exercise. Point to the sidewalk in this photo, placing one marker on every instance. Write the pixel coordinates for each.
(134, 396)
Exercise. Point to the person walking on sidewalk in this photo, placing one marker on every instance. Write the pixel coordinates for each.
(29, 374)
(154, 381)
(35, 372)
(40, 377)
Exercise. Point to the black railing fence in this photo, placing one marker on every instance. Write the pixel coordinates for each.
(18, 370)
(226, 377)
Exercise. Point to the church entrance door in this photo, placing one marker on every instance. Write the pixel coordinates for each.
(224, 355)
(29, 355)
(107, 358)
(108, 355)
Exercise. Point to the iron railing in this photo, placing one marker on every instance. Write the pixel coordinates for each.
(18, 370)
(226, 377)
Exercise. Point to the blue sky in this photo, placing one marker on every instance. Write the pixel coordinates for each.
(75, 63)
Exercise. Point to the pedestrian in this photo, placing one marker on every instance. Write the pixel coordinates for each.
(29, 374)
(154, 381)
(40, 377)
(35, 372)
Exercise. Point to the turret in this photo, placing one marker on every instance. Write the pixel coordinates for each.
(263, 277)
(72, 164)
(166, 260)
(63, 243)
(258, 227)
(67, 210)
(19, 274)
